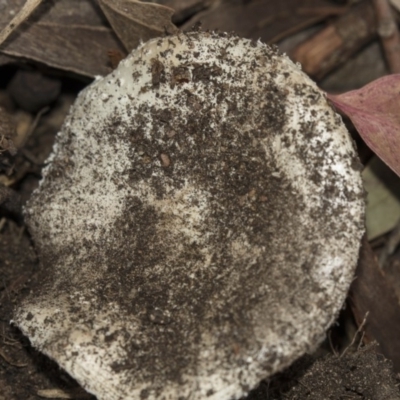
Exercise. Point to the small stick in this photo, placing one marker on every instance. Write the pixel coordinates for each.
(361, 341)
(62, 394)
(6, 359)
(24, 138)
(54, 394)
(360, 328)
(3, 222)
(389, 34)
(21, 16)
(335, 44)
(334, 351)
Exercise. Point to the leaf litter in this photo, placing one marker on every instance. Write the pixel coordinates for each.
(75, 36)
(135, 22)
(374, 111)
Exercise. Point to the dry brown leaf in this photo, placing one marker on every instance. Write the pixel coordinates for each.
(71, 35)
(184, 9)
(180, 5)
(134, 21)
(67, 50)
(4, 60)
(22, 15)
(269, 20)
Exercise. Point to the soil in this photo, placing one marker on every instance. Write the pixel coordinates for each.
(363, 374)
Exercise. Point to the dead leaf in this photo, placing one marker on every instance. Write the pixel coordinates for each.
(134, 21)
(184, 9)
(71, 35)
(66, 49)
(375, 112)
(180, 5)
(4, 60)
(22, 15)
(372, 292)
(77, 394)
(269, 20)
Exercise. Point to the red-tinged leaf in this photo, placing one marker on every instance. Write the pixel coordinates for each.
(375, 112)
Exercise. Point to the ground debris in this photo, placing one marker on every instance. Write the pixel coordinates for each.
(362, 375)
(335, 44)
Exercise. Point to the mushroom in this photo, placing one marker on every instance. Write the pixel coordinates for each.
(198, 223)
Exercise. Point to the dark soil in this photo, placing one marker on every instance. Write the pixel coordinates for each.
(364, 374)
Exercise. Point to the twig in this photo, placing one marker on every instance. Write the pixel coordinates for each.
(21, 16)
(6, 359)
(10, 341)
(54, 394)
(334, 351)
(389, 34)
(3, 222)
(33, 125)
(360, 328)
(335, 44)
(361, 341)
(63, 394)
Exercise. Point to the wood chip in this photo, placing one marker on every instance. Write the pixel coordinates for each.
(334, 44)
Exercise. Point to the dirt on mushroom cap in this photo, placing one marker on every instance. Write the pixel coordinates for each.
(198, 225)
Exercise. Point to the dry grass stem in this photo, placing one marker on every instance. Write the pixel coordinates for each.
(359, 330)
(21, 16)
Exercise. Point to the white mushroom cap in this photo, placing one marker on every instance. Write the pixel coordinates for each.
(198, 224)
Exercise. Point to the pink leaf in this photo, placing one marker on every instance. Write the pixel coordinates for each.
(375, 112)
